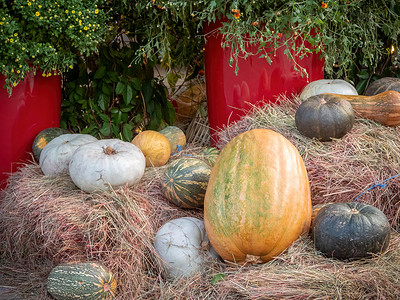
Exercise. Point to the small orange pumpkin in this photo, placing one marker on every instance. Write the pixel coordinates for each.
(155, 147)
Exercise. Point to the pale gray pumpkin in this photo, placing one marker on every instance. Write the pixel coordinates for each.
(106, 163)
(334, 86)
(55, 156)
(183, 247)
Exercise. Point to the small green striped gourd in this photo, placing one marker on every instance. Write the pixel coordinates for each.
(44, 137)
(175, 136)
(83, 280)
(209, 155)
(185, 182)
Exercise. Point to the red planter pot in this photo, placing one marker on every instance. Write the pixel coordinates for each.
(34, 105)
(257, 82)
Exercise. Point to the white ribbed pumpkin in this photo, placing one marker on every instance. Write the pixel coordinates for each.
(110, 162)
(55, 156)
(183, 247)
(334, 86)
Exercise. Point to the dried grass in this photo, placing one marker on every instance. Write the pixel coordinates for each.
(340, 170)
(45, 221)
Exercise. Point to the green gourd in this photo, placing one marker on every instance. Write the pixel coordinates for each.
(82, 280)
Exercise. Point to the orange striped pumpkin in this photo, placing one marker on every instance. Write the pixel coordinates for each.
(258, 198)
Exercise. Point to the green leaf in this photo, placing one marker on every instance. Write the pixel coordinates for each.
(126, 109)
(104, 117)
(105, 130)
(147, 91)
(102, 101)
(89, 130)
(106, 89)
(218, 277)
(127, 133)
(120, 88)
(136, 83)
(173, 79)
(129, 94)
(364, 74)
(100, 72)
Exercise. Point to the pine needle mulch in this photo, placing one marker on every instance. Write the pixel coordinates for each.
(46, 221)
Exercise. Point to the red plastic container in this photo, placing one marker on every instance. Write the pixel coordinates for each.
(34, 105)
(257, 82)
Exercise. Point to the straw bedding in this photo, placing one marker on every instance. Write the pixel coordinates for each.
(45, 221)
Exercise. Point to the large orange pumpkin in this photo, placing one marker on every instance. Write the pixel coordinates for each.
(258, 198)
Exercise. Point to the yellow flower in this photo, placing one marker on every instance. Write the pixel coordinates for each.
(85, 28)
(237, 15)
(71, 67)
(29, 3)
(73, 11)
(11, 40)
(1, 23)
(15, 34)
(37, 14)
(18, 71)
(14, 84)
(66, 11)
(96, 11)
(324, 5)
(39, 6)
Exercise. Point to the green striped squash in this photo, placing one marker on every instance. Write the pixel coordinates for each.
(44, 137)
(83, 280)
(185, 182)
(175, 136)
(209, 155)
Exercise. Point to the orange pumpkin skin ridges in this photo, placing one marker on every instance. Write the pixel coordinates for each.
(258, 198)
(383, 108)
(155, 147)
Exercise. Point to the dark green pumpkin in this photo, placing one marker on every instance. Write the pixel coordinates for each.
(350, 230)
(83, 280)
(44, 137)
(185, 182)
(324, 117)
(209, 155)
(382, 85)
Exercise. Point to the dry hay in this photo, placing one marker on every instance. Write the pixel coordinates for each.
(45, 221)
(341, 170)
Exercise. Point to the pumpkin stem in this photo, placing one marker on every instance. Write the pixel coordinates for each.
(110, 151)
(354, 211)
(106, 287)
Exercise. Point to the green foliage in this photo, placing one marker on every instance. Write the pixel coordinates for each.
(108, 96)
(218, 277)
(49, 35)
(343, 32)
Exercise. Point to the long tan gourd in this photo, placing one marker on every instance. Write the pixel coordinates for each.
(383, 108)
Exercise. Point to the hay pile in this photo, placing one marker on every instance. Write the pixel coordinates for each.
(343, 169)
(45, 221)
